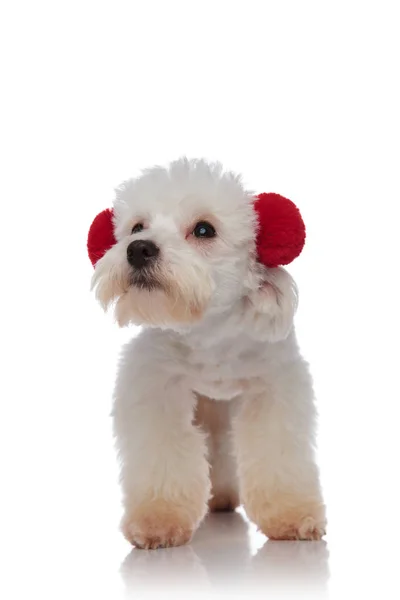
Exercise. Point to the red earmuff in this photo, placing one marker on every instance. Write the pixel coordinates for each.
(281, 230)
(280, 236)
(101, 235)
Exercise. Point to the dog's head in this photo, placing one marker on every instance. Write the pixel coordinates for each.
(185, 241)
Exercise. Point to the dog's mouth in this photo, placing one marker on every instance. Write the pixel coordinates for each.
(145, 280)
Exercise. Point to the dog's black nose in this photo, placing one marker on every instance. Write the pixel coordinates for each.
(141, 253)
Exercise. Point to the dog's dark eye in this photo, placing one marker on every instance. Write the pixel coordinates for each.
(137, 228)
(204, 230)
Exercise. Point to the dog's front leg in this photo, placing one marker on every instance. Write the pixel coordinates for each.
(278, 476)
(164, 471)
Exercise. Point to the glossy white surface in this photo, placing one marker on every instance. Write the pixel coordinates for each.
(228, 558)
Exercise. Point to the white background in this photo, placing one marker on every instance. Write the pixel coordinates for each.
(303, 99)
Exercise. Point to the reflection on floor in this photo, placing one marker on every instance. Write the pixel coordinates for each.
(221, 560)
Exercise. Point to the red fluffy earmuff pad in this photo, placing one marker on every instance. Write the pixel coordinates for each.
(281, 233)
(101, 235)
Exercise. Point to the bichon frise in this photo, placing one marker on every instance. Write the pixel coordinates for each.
(213, 403)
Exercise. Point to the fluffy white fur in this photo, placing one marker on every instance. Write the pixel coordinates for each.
(213, 401)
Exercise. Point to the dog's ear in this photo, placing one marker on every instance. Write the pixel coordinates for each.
(272, 306)
(101, 235)
(281, 231)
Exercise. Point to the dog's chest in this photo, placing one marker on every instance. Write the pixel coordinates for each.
(225, 371)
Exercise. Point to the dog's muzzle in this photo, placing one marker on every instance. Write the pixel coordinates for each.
(142, 256)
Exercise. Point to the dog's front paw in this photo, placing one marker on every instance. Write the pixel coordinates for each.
(294, 527)
(159, 524)
(303, 521)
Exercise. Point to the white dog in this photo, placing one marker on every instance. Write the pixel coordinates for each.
(213, 401)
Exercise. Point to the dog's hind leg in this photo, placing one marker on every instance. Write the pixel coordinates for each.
(214, 418)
